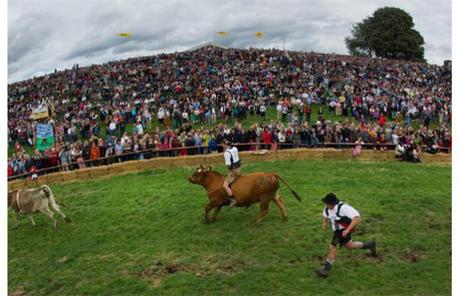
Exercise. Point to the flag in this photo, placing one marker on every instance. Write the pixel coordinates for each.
(260, 34)
(222, 33)
(127, 34)
(44, 136)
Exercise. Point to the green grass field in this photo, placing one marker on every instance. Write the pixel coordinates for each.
(144, 234)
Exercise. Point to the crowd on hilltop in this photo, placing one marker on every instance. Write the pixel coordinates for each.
(212, 85)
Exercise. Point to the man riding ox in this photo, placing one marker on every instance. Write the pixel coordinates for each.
(30, 201)
(232, 161)
(247, 189)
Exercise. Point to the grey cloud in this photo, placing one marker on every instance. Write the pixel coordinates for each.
(92, 47)
(28, 34)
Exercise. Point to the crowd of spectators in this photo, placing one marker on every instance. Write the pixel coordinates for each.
(171, 100)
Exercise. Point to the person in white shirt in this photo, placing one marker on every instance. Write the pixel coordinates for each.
(400, 151)
(281, 139)
(139, 129)
(112, 127)
(185, 116)
(343, 219)
(161, 115)
(262, 110)
(279, 109)
(232, 161)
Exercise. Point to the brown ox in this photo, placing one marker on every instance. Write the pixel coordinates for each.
(247, 189)
(30, 201)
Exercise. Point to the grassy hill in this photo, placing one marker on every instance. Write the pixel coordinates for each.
(144, 234)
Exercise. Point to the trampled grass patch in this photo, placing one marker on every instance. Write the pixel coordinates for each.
(144, 233)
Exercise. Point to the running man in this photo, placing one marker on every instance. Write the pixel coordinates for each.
(343, 219)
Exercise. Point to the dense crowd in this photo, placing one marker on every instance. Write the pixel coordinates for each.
(211, 85)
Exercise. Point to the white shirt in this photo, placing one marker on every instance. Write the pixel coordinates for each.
(400, 150)
(112, 126)
(345, 211)
(281, 137)
(161, 113)
(231, 152)
(140, 129)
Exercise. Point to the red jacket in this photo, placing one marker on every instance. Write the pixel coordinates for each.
(267, 137)
(382, 120)
(10, 171)
(54, 160)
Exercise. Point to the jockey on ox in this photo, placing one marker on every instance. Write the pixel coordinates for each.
(232, 161)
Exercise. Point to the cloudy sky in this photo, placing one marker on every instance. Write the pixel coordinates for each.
(55, 34)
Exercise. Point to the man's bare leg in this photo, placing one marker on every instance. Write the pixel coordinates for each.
(331, 255)
(359, 245)
(231, 198)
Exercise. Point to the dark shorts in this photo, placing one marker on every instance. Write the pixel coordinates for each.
(337, 238)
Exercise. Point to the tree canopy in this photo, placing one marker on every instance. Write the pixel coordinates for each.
(388, 33)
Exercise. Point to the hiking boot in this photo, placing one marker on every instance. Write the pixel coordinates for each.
(372, 247)
(232, 201)
(322, 273)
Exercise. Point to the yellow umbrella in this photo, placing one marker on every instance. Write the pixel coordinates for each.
(260, 34)
(127, 34)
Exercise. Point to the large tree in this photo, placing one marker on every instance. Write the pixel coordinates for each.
(388, 33)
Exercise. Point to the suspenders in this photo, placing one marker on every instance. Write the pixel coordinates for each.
(343, 220)
(233, 164)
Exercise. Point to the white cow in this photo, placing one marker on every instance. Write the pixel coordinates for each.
(30, 201)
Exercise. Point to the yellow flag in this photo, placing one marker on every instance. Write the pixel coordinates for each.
(222, 33)
(127, 35)
(260, 34)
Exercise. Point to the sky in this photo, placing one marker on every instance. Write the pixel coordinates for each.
(56, 34)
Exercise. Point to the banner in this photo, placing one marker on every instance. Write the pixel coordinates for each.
(44, 136)
(40, 112)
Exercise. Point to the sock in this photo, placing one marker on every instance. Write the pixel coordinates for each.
(359, 245)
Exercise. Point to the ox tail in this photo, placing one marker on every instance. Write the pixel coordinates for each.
(296, 195)
(49, 194)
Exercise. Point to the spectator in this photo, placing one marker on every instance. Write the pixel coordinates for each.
(64, 158)
(233, 84)
(95, 153)
(267, 139)
(357, 149)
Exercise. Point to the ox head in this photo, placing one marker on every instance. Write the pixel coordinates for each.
(199, 174)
